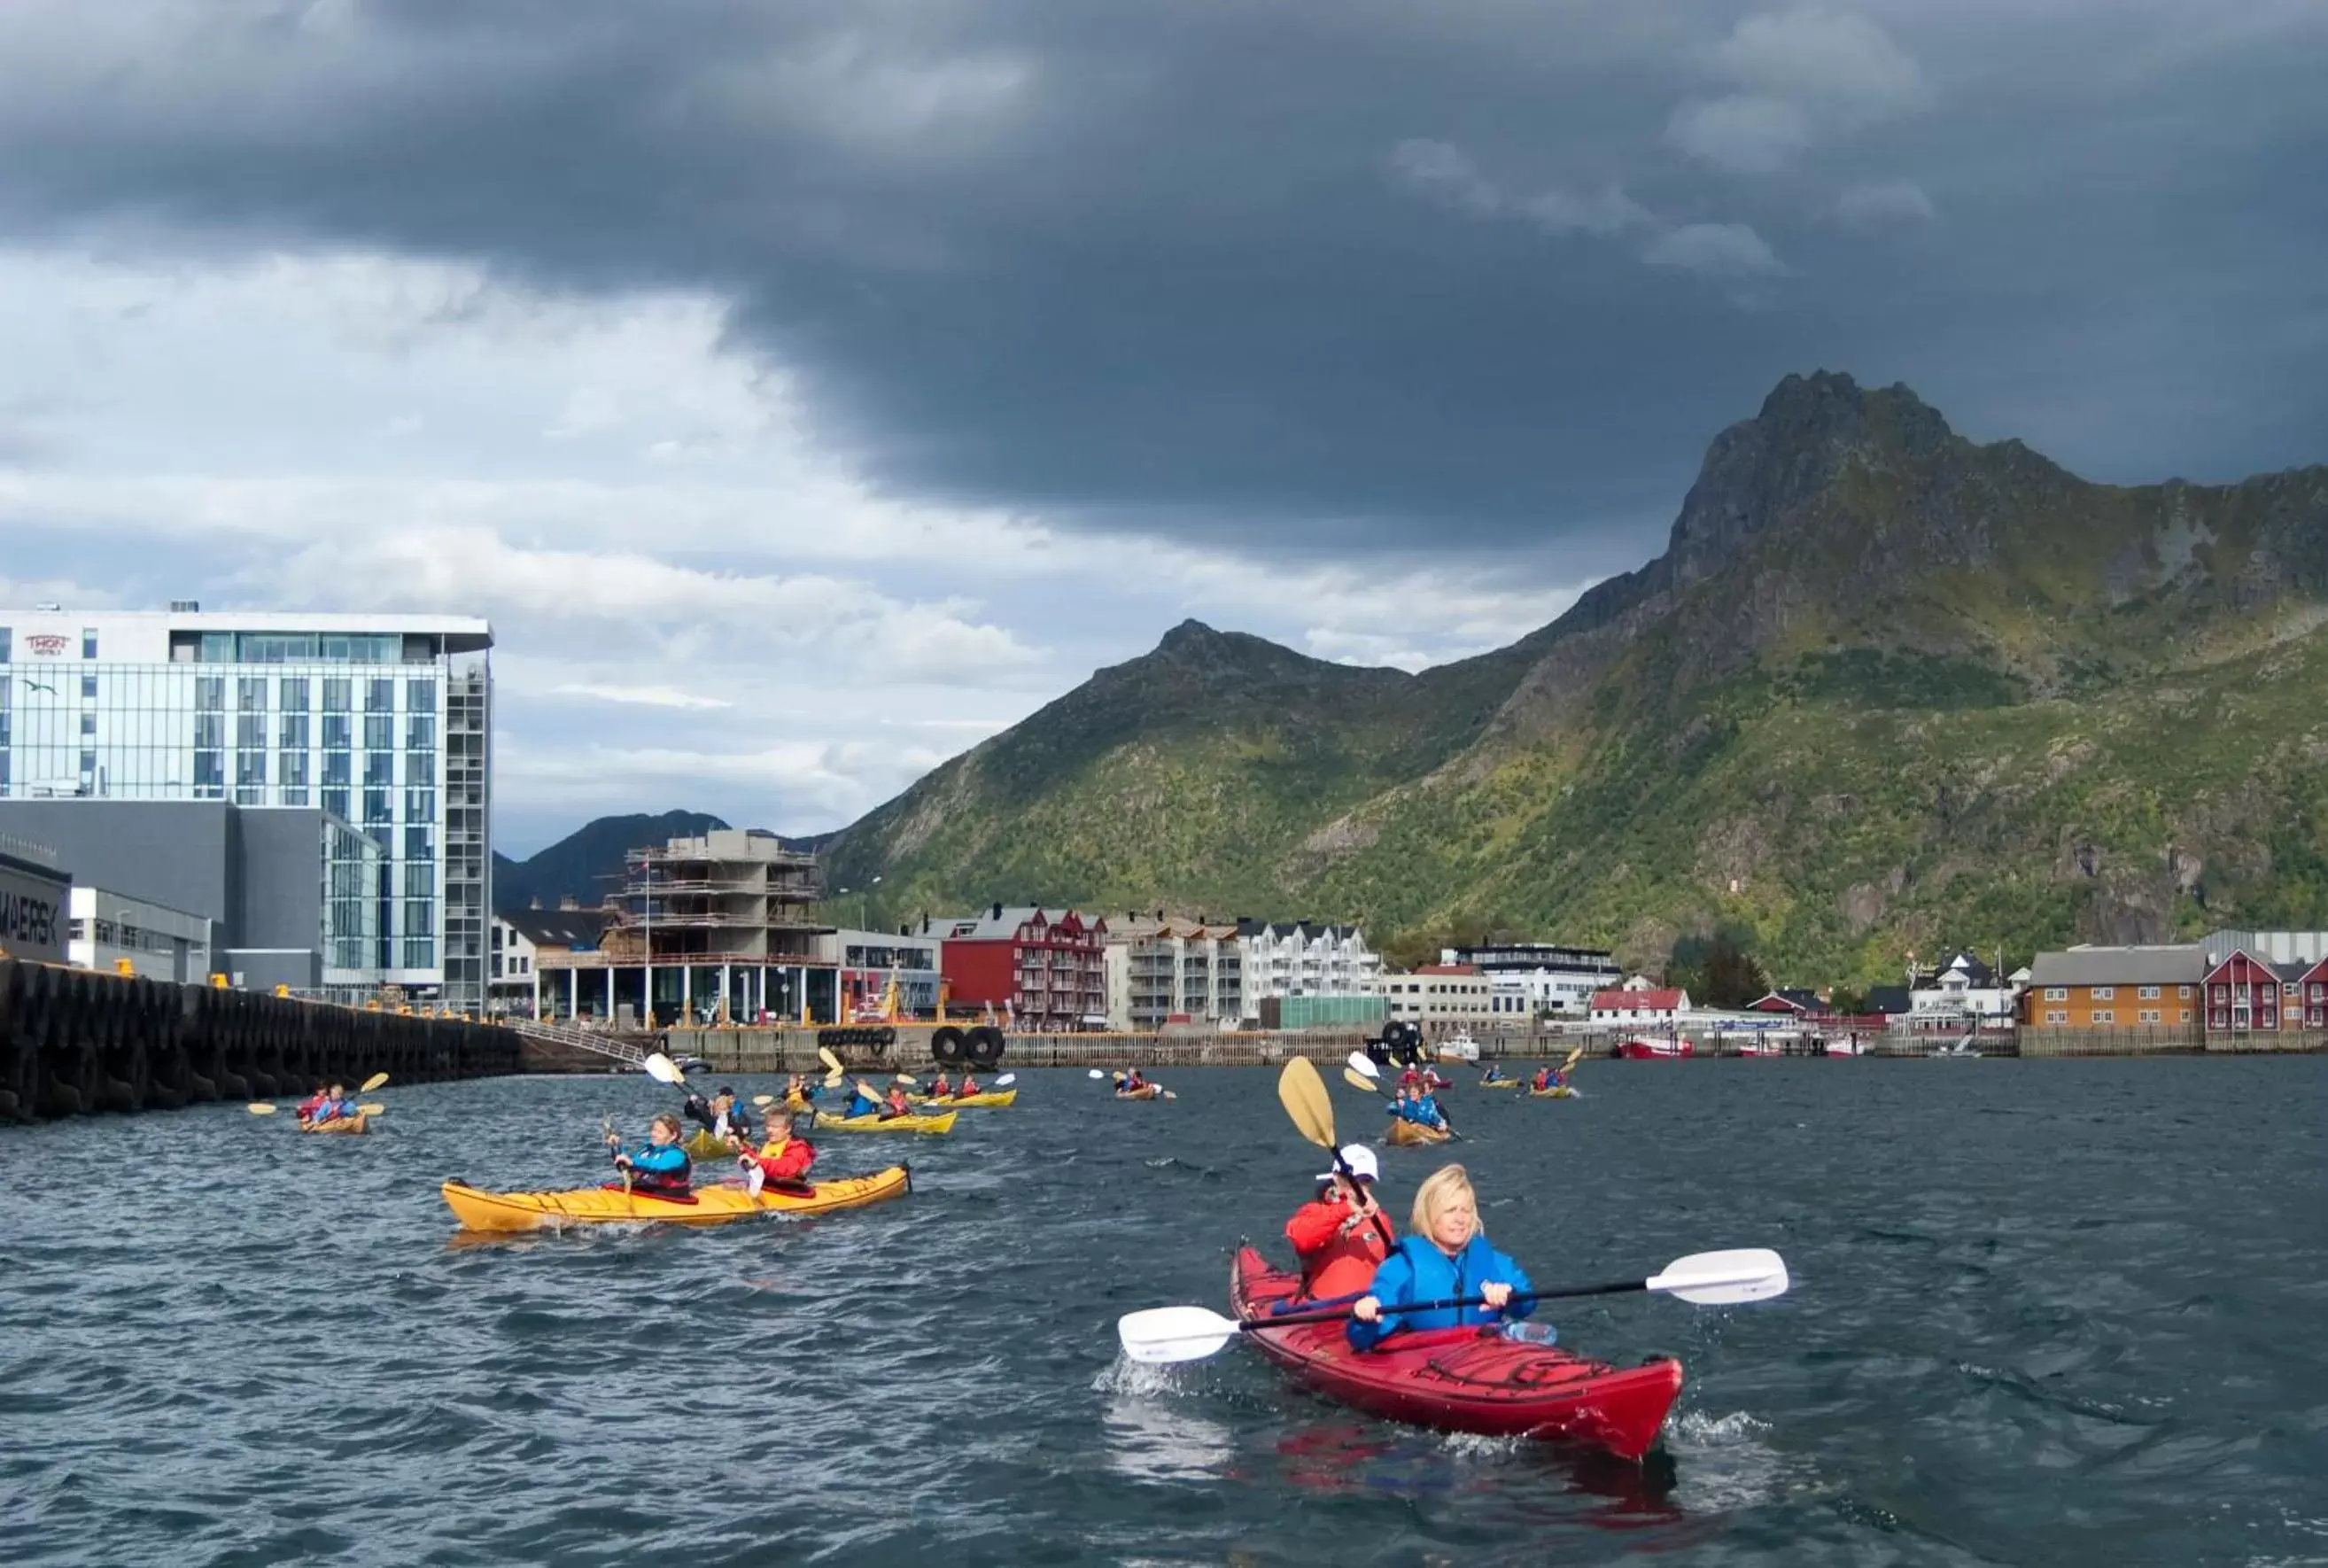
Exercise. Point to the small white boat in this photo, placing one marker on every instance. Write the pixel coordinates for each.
(1459, 1047)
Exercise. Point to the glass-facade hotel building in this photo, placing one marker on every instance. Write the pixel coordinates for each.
(383, 720)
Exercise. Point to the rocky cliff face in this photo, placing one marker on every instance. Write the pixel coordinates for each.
(1885, 689)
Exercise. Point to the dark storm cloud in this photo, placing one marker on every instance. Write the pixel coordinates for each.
(1304, 277)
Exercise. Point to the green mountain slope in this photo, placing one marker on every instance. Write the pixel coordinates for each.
(1885, 691)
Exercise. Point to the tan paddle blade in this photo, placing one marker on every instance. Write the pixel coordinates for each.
(1359, 1081)
(1302, 1092)
(1573, 1058)
(373, 1108)
(763, 1100)
(905, 1081)
(259, 1108)
(832, 1063)
(374, 1082)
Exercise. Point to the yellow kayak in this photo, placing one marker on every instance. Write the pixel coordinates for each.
(1402, 1134)
(992, 1098)
(1562, 1093)
(701, 1145)
(478, 1210)
(827, 1122)
(1147, 1091)
(355, 1123)
(1502, 1083)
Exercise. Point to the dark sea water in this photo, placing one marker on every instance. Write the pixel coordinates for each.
(2044, 1312)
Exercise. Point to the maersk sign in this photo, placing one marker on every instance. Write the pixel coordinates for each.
(32, 910)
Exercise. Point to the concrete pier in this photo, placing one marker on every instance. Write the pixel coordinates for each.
(73, 1041)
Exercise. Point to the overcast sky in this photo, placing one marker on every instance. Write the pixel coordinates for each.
(807, 390)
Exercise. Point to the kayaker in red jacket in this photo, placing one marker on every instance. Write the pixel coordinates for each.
(1342, 1236)
(313, 1102)
(784, 1162)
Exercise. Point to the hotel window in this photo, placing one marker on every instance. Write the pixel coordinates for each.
(336, 802)
(210, 774)
(2057, 993)
(210, 693)
(89, 723)
(89, 688)
(380, 697)
(380, 731)
(294, 731)
(380, 768)
(7, 640)
(420, 696)
(335, 768)
(2149, 993)
(250, 693)
(378, 807)
(251, 730)
(420, 732)
(419, 879)
(292, 694)
(337, 732)
(88, 641)
(335, 693)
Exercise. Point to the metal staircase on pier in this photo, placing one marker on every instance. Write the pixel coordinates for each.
(623, 1048)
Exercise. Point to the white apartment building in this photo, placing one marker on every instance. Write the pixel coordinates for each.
(1532, 979)
(1303, 959)
(1444, 997)
(382, 721)
(1159, 968)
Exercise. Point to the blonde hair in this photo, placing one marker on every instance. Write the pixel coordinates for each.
(1440, 1188)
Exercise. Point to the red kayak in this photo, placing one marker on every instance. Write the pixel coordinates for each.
(1464, 1379)
(1644, 1048)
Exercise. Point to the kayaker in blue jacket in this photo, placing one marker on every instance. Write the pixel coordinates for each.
(1444, 1254)
(1427, 1112)
(862, 1100)
(335, 1106)
(657, 1166)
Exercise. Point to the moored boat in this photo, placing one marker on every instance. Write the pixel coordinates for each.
(1649, 1048)
(1464, 1379)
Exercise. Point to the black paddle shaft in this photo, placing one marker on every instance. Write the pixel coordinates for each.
(1335, 1314)
(1381, 1224)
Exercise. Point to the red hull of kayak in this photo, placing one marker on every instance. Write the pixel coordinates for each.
(1464, 1379)
(1655, 1050)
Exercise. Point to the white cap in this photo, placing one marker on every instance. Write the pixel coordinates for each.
(1361, 1161)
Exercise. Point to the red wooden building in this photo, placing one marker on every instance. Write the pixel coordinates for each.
(1047, 967)
(2247, 995)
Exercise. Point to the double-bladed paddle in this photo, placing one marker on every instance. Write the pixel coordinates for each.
(1160, 1335)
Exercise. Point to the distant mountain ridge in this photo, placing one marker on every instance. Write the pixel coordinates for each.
(586, 864)
(1885, 689)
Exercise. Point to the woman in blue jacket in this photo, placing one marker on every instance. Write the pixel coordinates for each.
(1443, 1255)
(658, 1166)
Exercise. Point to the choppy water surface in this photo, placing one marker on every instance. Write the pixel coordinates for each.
(2044, 1312)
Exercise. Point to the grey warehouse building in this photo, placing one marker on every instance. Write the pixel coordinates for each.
(294, 894)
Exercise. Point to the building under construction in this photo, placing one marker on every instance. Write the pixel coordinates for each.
(718, 928)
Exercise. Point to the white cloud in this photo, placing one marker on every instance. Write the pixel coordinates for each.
(1838, 59)
(639, 696)
(1726, 250)
(1884, 204)
(1798, 78)
(1745, 132)
(1447, 172)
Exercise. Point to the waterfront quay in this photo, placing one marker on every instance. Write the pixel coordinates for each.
(75, 1041)
(794, 1048)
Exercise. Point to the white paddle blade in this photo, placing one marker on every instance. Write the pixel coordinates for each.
(1364, 1066)
(1720, 1279)
(763, 1100)
(1161, 1335)
(662, 1069)
(1097, 1074)
(1005, 1080)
